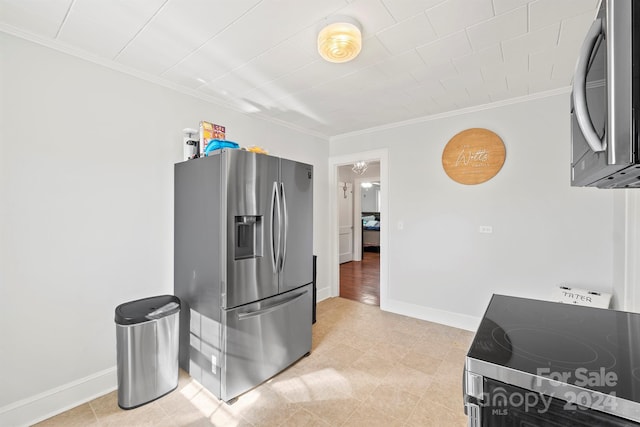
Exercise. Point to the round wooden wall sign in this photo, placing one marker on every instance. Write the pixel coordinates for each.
(473, 156)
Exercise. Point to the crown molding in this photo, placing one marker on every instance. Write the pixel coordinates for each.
(108, 63)
(453, 113)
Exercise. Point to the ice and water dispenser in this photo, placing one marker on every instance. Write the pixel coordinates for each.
(248, 229)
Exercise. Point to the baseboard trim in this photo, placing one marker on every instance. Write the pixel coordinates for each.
(323, 293)
(44, 405)
(449, 318)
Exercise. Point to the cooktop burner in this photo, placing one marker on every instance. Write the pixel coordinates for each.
(588, 347)
(532, 345)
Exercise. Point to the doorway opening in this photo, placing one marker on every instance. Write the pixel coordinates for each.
(359, 221)
(360, 280)
(359, 240)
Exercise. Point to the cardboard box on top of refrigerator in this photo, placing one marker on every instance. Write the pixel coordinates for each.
(208, 132)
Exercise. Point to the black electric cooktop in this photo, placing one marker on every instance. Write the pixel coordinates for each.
(591, 348)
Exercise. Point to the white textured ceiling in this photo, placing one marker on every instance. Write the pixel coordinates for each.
(419, 57)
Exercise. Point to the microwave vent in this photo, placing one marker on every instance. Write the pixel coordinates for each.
(627, 178)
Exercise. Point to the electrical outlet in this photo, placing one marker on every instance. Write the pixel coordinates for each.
(487, 229)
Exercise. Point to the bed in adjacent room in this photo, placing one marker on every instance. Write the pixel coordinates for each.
(371, 231)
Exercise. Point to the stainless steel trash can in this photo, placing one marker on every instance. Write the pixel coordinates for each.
(147, 349)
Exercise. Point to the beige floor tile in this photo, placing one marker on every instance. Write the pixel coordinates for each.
(408, 379)
(457, 354)
(357, 384)
(452, 367)
(373, 364)
(396, 337)
(390, 352)
(331, 338)
(181, 411)
(191, 419)
(304, 418)
(334, 412)
(421, 362)
(442, 335)
(109, 414)
(262, 406)
(392, 401)
(369, 416)
(319, 385)
(225, 416)
(315, 360)
(436, 349)
(447, 393)
(79, 416)
(430, 414)
(361, 341)
(366, 368)
(187, 386)
(342, 355)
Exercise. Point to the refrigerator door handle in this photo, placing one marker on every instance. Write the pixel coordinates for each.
(269, 309)
(275, 243)
(285, 229)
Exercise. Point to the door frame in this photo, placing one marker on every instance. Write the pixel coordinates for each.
(381, 155)
(631, 274)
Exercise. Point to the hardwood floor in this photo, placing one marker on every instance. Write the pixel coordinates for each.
(360, 280)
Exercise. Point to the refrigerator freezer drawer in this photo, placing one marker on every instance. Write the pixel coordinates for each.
(264, 338)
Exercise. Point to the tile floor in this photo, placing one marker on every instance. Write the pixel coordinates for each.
(367, 368)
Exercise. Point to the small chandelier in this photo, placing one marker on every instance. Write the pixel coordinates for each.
(339, 39)
(359, 167)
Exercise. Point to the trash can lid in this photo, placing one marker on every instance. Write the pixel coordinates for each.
(146, 309)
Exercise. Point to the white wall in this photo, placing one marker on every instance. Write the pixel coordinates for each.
(544, 231)
(370, 199)
(86, 213)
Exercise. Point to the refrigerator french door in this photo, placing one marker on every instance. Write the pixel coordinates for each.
(243, 267)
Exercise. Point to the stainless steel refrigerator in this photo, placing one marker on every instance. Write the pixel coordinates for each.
(243, 267)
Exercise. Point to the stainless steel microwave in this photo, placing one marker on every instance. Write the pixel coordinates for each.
(605, 100)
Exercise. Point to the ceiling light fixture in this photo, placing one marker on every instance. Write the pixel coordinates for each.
(339, 39)
(359, 167)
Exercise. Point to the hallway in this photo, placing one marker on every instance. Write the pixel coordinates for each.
(360, 280)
